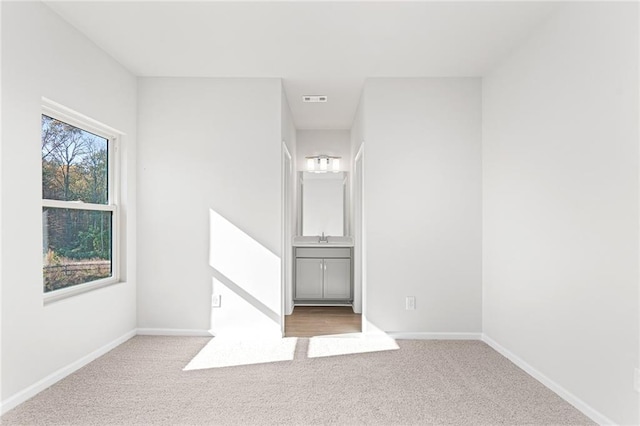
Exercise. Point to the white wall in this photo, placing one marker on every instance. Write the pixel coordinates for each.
(560, 158)
(1, 180)
(288, 129)
(423, 203)
(324, 142)
(209, 204)
(357, 216)
(289, 195)
(44, 56)
(356, 134)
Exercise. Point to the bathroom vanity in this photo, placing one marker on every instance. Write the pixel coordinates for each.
(323, 273)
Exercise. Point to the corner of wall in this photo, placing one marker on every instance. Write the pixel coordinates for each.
(572, 399)
(48, 381)
(1, 192)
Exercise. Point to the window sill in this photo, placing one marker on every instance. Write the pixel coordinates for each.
(65, 293)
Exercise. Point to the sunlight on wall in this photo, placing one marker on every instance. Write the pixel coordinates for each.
(247, 276)
(220, 352)
(374, 340)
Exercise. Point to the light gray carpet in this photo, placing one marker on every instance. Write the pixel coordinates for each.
(423, 382)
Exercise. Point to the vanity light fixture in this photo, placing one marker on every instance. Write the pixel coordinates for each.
(323, 164)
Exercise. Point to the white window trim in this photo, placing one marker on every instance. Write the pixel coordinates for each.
(62, 113)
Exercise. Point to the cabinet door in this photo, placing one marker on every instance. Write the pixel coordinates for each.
(337, 278)
(309, 279)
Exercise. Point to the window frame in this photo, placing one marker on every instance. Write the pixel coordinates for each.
(68, 116)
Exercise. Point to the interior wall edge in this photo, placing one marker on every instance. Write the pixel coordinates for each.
(1, 192)
(34, 389)
(563, 393)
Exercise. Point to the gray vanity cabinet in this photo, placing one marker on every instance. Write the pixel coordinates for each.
(309, 278)
(337, 279)
(323, 275)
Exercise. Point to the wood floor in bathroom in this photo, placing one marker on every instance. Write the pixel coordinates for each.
(309, 321)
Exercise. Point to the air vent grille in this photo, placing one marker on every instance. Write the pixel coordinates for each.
(314, 98)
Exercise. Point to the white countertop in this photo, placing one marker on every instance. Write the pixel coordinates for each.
(301, 241)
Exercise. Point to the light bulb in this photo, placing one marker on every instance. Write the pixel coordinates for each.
(324, 162)
(335, 164)
(311, 166)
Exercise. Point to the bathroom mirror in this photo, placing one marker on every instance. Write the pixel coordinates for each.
(323, 206)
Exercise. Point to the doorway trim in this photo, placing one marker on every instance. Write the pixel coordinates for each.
(359, 231)
(286, 216)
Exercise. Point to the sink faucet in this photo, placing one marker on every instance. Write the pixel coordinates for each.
(323, 239)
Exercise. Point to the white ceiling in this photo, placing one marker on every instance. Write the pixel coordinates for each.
(323, 47)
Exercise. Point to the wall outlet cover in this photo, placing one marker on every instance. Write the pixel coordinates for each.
(216, 299)
(410, 303)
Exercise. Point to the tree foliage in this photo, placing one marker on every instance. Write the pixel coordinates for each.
(74, 168)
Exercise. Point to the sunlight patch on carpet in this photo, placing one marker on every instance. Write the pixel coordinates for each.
(323, 346)
(221, 352)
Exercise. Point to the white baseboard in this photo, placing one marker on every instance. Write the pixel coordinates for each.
(433, 336)
(60, 374)
(173, 332)
(585, 408)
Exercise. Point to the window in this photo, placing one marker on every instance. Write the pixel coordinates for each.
(79, 211)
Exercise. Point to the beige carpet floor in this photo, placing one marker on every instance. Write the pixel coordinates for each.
(144, 382)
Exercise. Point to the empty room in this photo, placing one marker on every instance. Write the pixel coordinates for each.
(319, 212)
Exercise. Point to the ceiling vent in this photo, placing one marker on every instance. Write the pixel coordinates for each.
(314, 98)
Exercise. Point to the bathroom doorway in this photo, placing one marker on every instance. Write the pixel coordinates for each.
(321, 291)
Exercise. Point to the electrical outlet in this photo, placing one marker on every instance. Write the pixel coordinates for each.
(636, 379)
(216, 299)
(410, 303)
